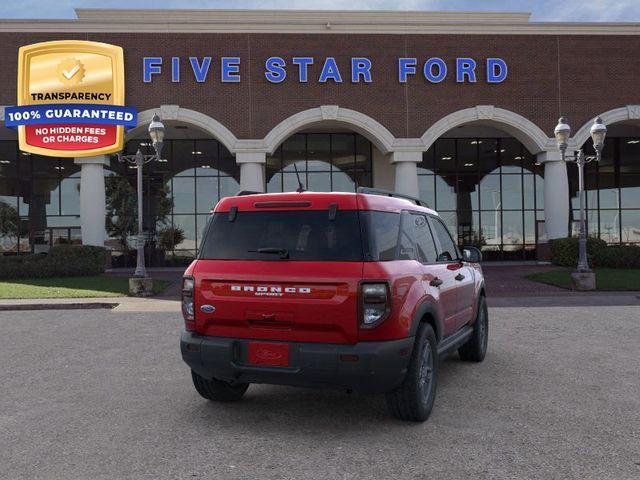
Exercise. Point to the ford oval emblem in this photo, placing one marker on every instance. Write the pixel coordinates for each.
(208, 308)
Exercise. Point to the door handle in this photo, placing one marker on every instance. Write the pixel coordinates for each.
(436, 282)
(459, 277)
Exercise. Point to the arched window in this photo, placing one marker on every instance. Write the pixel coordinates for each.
(325, 162)
(487, 190)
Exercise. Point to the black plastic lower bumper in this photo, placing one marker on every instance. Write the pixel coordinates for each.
(366, 367)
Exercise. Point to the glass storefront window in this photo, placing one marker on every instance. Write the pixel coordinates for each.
(612, 191)
(498, 193)
(630, 224)
(326, 162)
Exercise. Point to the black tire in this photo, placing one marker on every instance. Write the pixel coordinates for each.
(413, 399)
(476, 347)
(217, 390)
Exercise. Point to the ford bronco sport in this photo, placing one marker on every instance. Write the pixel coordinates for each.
(360, 291)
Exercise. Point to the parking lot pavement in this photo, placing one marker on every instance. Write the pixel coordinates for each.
(101, 394)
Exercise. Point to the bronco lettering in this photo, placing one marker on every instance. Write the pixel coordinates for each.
(274, 290)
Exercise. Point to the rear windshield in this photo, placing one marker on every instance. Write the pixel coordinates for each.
(291, 235)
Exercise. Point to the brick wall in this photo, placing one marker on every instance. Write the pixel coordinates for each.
(578, 76)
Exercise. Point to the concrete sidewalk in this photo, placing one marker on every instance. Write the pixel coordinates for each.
(117, 304)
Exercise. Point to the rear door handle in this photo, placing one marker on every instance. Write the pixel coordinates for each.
(436, 282)
(459, 277)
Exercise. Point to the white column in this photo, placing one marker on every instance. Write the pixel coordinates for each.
(93, 209)
(556, 194)
(251, 170)
(406, 169)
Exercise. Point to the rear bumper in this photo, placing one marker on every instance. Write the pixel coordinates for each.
(380, 366)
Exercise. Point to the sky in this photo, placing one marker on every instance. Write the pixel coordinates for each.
(542, 10)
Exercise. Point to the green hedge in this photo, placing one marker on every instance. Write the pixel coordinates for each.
(564, 252)
(61, 261)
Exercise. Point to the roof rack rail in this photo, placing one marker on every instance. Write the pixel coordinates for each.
(242, 193)
(389, 193)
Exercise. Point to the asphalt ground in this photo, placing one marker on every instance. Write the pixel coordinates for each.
(99, 394)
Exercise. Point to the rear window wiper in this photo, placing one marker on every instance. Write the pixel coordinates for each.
(283, 252)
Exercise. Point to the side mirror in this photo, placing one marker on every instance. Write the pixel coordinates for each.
(471, 254)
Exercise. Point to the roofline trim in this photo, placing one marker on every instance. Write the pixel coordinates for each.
(310, 21)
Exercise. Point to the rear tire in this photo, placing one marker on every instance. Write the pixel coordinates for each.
(218, 390)
(413, 399)
(476, 347)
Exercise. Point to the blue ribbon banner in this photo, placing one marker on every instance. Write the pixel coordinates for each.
(70, 113)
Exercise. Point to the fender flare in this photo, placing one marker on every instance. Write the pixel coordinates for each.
(427, 307)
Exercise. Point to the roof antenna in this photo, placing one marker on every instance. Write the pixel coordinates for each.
(300, 188)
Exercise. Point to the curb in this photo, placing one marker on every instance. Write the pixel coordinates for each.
(57, 306)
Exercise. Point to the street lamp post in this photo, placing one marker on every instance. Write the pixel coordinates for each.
(583, 278)
(156, 133)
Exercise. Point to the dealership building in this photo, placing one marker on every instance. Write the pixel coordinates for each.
(458, 109)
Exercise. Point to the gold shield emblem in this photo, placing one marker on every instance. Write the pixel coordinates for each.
(71, 72)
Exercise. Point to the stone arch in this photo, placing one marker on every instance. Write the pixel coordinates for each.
(527, 132)
(197, 119)
(622, 114)
(382, 138)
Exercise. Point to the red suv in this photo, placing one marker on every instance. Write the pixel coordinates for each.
(359, 291)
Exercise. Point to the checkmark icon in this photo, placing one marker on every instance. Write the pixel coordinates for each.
(71, 73)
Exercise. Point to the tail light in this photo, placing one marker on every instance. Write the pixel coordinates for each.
(375, 304)
(187, 303)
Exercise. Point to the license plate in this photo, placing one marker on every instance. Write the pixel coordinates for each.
(270, 354)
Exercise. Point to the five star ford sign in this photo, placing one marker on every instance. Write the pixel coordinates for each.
(71, 99)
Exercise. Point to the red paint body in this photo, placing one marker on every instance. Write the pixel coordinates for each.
(248, 307)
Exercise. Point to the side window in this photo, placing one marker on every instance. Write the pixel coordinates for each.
(424, 240)
(406, 240)
(381, 230)
(449, 251)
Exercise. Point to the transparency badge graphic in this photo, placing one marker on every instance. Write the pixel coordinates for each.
(70, 99)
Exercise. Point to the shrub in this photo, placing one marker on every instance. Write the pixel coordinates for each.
(169, 237)
(618, 256)
(61, 261)
(564, 252)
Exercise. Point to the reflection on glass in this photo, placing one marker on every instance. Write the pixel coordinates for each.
(70, 196)
(610, 226)
(318, 152)
(469, 228)
(342, 182)
(528, 191)
(467, 192)
(512, 229)
(450, 219)
(445, 195)
(630, 226)
(529, 227)
(187, 223)
(512, 192)
(274, 183)
(630, 190)
(183, 195)
(207, 194)
(319, 182)
(229, 186)
(490, 198)
(325, 162)
(202, 224)
(491, 224)
(427, 189)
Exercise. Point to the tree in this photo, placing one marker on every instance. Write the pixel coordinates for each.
(122, 208)
(9, 221)
(169, 237)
